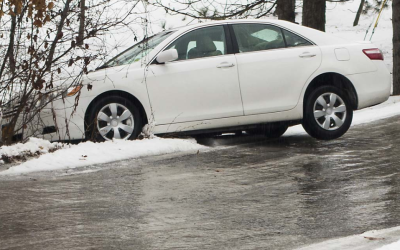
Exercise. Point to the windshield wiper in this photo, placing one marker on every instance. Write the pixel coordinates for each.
(104, 66)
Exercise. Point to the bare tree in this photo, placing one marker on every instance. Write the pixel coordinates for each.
(218, 10)
(82, 16)
(396, 46)
(285, 9)
(38, 48)
(360, 10)
(314, 14)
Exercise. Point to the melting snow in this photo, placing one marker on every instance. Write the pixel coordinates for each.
(89, 153)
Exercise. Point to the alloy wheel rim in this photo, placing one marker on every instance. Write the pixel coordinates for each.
(330, 111)
(115, 121)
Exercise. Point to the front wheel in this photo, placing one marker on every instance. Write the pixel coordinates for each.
(114, 117)
(327, 113)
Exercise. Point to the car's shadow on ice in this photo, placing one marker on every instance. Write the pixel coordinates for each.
(247, 139)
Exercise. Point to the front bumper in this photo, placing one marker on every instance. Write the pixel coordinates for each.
(58, 121)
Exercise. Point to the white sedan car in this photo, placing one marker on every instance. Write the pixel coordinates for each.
(244, 75)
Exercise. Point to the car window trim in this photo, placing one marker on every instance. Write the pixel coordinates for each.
(131, 47)
(229, 47)
(283, 34)
(236, 45)
(234, 39)
(229, 40)
(284, 38)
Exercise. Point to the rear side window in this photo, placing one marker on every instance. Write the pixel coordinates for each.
(255, 37)
(204, 42)
(293, 40)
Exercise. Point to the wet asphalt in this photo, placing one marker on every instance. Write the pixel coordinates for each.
(250, 193)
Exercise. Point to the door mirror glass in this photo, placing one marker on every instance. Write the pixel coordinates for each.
(167, 56)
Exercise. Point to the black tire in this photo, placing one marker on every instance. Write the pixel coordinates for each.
(271, 131)
(313, 127)
(92, 132)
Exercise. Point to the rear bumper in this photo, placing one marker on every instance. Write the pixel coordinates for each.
(372, 88)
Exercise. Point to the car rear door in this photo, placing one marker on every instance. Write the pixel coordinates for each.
(202, 84)
(274, 64)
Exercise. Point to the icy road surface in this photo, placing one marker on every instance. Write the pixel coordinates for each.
(277, 194)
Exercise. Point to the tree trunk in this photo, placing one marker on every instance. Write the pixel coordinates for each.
(59, 34)
(359, 13)
(396, 47)
(285, 10)
(81, 33)
(314, 14)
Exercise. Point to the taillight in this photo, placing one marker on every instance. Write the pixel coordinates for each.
(373, 54)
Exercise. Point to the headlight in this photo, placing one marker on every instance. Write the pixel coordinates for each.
(73, 90)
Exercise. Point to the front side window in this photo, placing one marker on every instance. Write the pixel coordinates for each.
(255, 37)
(138, 51)
(204, 42)
(293, 40)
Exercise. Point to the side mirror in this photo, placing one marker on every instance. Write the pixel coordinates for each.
(167, 56)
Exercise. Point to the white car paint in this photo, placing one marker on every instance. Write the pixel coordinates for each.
(272, 80)
(196, 94)
(193, 90)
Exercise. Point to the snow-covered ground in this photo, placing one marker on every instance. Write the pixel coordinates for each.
(386, 239)
(90, 153)
(393, 246)
(33, 147)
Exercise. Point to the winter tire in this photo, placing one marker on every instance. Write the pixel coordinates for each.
(327, 113)
(114, 117)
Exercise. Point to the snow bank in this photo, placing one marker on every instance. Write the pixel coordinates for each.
(384, 110)
(385, 239)
(33, 146)
(89, 153)
(393, 246)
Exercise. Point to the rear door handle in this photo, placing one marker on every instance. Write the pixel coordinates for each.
(225, 65)
(307, 55)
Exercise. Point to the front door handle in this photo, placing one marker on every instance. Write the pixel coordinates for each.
(307, 55)
(225, 65)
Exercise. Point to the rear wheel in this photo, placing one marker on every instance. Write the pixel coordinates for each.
(327, 113)
(114, 117)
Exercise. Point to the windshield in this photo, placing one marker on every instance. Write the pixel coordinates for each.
(138, 51)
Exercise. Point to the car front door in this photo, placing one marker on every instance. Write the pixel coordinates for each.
(201, 84)
(274, 64)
